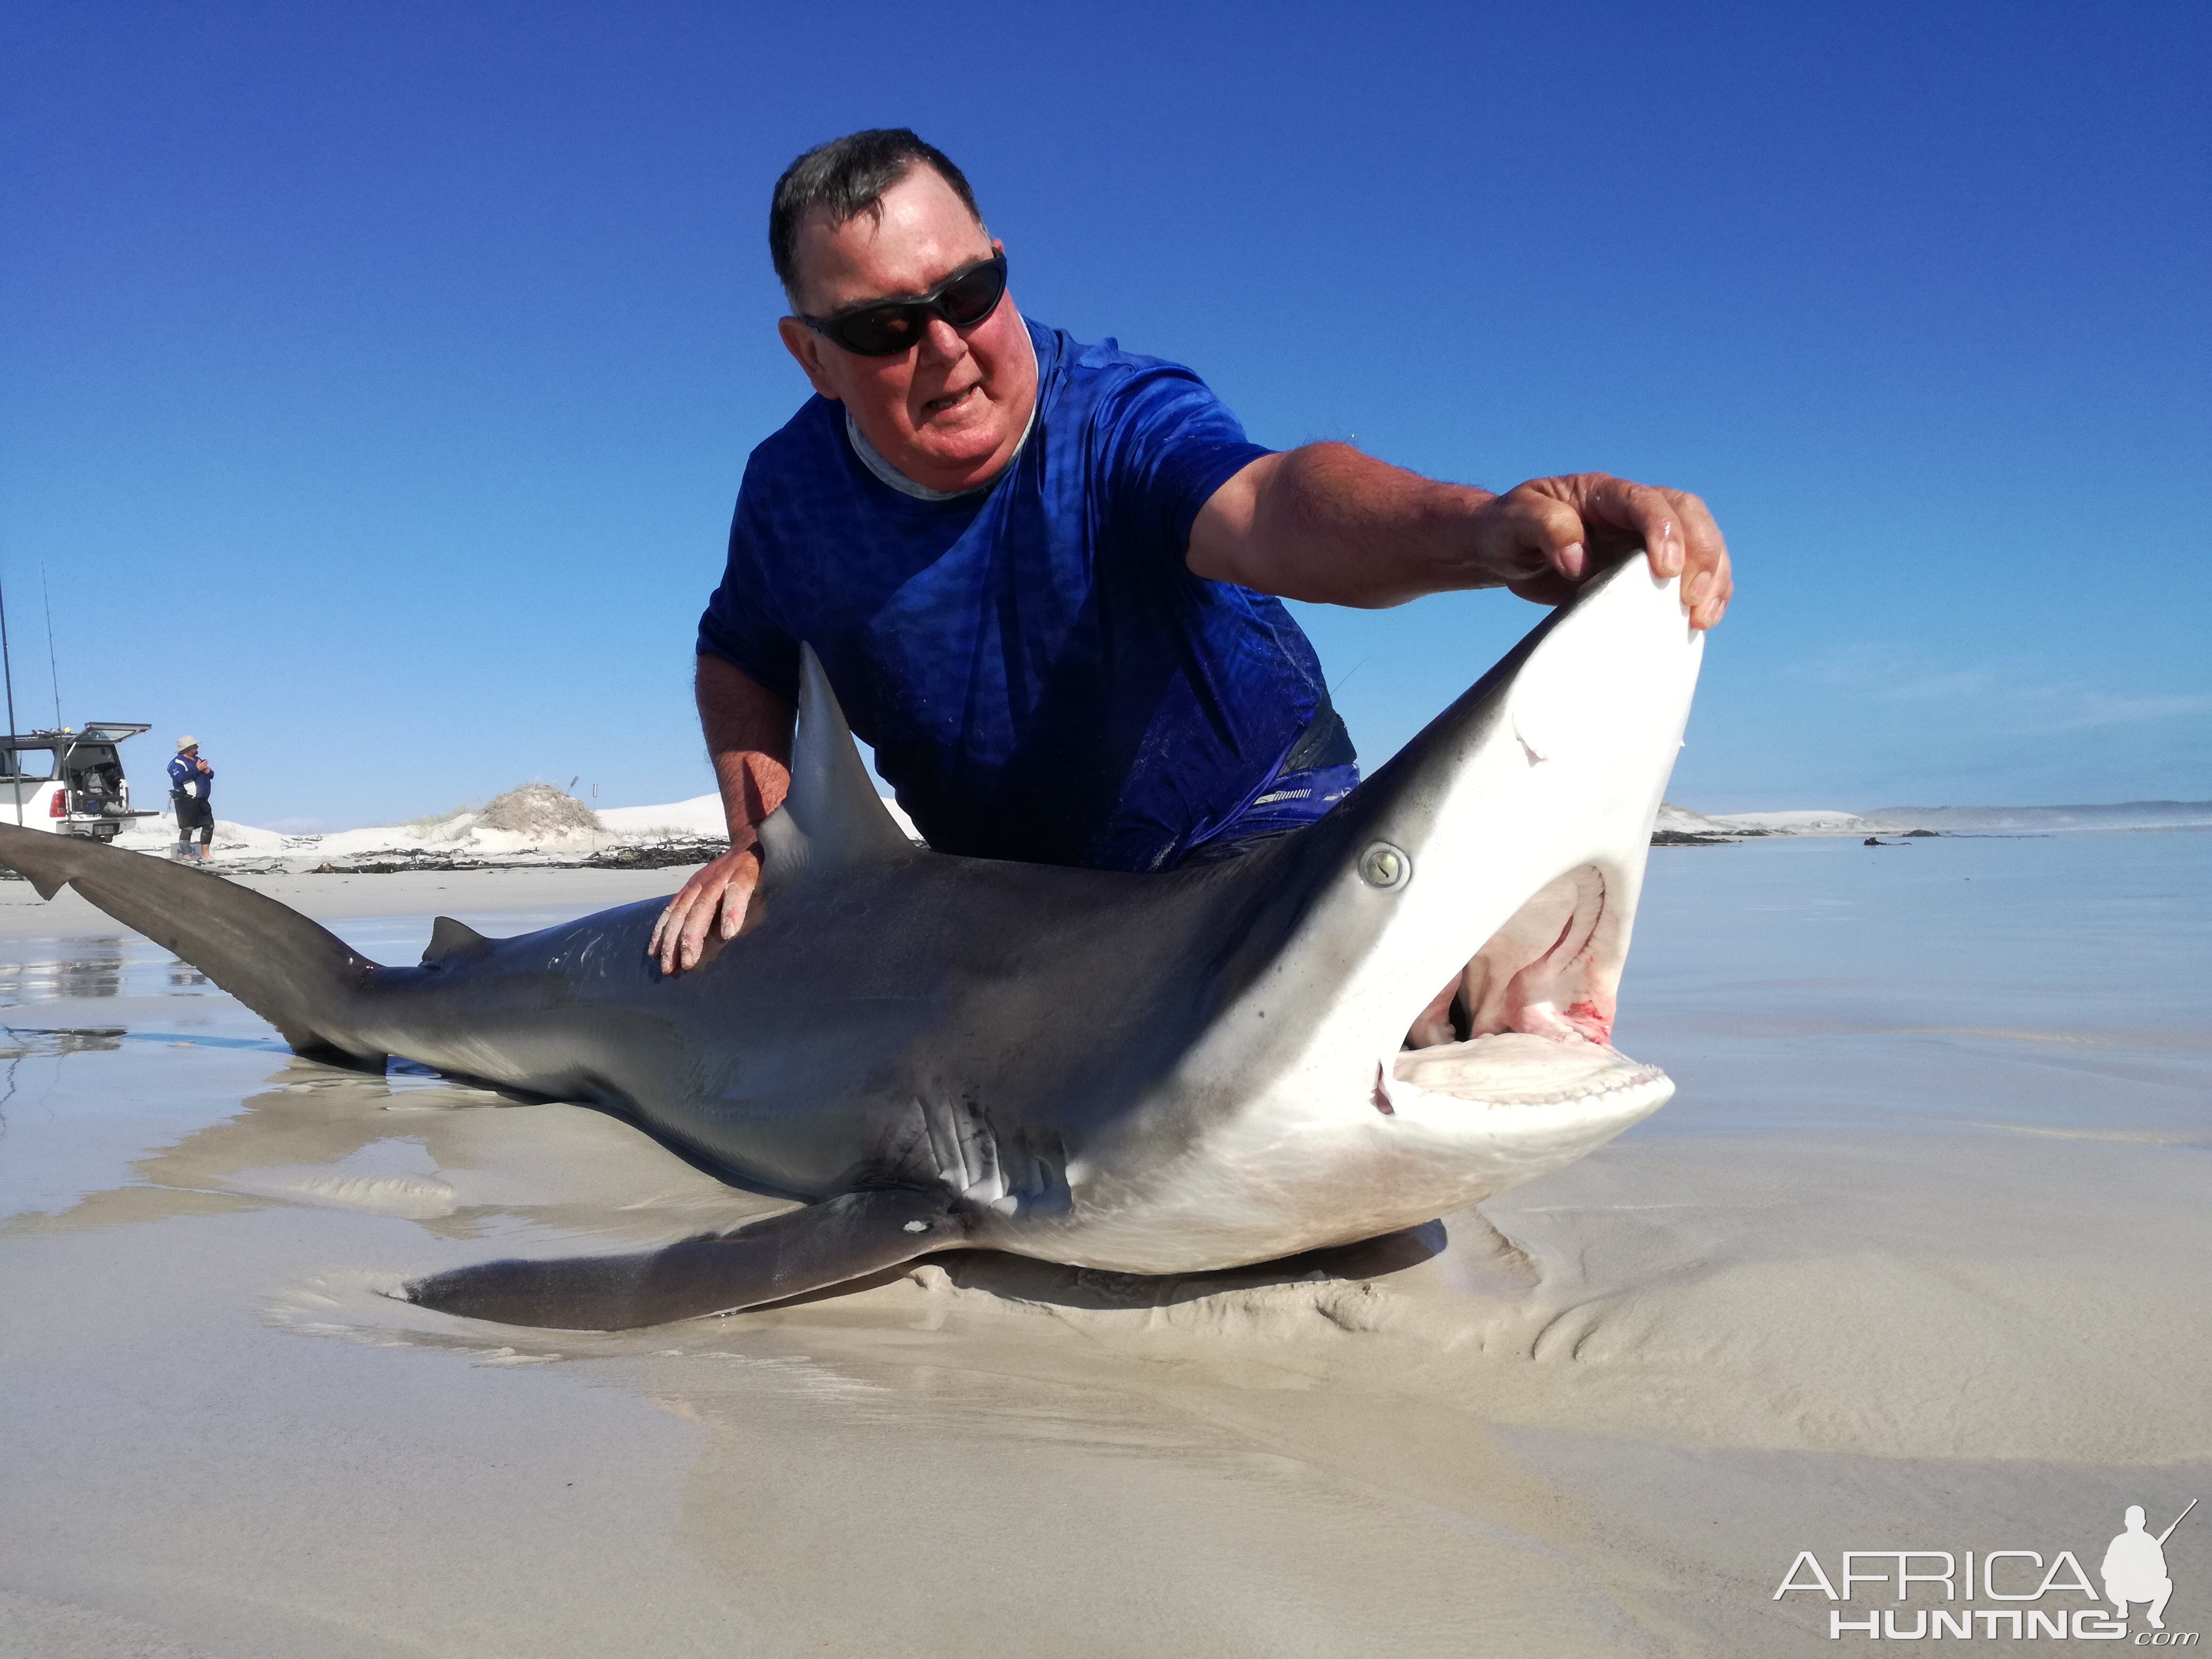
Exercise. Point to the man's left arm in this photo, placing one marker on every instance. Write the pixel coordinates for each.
(1328, 524)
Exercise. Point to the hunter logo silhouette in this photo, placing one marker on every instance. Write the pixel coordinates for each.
(2134, 1567)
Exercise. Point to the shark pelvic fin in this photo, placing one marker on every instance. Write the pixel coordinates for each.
(804, 1249)
(833, 815)
(450, 938)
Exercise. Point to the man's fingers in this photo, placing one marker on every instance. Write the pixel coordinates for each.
(721, 891)
(671, 916)
(687, 913)
(1677, 530)
(1561, 531)
(693, 937)
(1649, 514)
(1708, 580)
(1536, 539)
(1545, 537)
(668, 930)
(738, 897)
(664, 921)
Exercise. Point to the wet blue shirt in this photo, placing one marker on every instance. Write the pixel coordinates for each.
(1040, 674)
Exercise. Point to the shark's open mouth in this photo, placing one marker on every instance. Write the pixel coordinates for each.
(1528, 1021)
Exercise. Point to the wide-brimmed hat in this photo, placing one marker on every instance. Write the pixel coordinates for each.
(184, 743)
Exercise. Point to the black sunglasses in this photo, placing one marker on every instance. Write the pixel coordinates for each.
(885, 328)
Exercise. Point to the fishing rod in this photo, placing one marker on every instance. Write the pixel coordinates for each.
(8, 674)
(52, 667)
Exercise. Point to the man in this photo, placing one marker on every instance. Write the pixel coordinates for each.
(1045, 577)
(191, 781)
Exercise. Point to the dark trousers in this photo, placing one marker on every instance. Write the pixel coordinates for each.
(193, 813)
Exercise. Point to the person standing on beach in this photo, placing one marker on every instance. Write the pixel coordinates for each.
(1045, 578)
(191, 782)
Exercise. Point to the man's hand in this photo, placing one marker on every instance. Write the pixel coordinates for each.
(748, 731)
(1542, 539)
(724, 889)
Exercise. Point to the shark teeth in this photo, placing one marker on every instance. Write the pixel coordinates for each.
(1510, 1068)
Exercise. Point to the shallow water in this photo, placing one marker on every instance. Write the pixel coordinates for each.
(1914, 1260)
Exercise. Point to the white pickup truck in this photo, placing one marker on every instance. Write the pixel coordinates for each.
(67, 782)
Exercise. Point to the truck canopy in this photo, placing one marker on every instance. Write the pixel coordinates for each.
(21, 753)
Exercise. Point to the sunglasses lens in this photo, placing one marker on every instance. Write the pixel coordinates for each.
(879, 333)
(974, 294)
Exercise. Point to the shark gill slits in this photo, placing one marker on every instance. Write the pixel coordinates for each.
(1384, 867)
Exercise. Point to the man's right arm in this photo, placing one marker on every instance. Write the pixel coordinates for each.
(748, 729)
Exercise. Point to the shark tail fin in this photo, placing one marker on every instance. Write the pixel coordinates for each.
(833, 816)
(289, 971)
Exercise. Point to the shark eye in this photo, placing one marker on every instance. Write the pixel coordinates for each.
(1383, 866)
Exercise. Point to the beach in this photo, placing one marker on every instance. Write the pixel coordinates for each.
(1913, 1261)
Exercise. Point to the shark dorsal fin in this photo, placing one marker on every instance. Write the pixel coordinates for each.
(833, 815)
(449, 938)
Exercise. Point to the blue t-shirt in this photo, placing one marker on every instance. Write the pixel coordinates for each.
(1040, 673)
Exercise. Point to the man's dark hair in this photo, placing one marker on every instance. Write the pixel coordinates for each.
(849, 176)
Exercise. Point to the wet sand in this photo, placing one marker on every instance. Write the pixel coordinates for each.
(1915, 1260)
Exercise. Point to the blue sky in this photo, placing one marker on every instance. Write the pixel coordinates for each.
(375, 381)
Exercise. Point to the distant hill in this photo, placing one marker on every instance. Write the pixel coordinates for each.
(1678, 826)
(2125, 815)
(1810, 821)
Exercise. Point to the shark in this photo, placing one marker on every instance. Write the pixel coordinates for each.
(1384, 1017)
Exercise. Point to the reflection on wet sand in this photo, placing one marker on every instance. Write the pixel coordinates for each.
(94, 968)
(427, 1151)
(18, 1044)
(51, 971)
(22, 1041)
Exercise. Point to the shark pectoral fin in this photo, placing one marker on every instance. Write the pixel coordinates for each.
(801, 1250)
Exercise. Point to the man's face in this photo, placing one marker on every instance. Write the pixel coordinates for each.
(950, 412)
